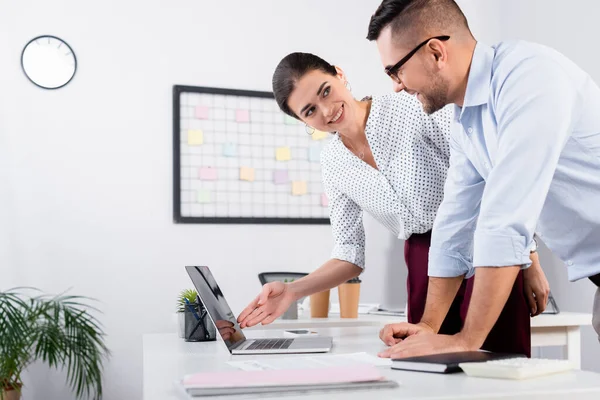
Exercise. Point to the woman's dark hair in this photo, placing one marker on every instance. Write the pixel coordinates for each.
(289, 71)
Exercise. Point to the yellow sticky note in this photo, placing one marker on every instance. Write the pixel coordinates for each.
(299, 188)
(283, 154)
(319, 135)
(247, 174)
(195, 137)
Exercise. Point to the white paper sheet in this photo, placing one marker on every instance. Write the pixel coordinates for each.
(310, 362)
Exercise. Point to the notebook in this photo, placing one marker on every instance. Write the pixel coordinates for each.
(446, 363)
(284, 381)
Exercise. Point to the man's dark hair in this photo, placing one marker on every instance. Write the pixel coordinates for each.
(290, 70)
(419, 17)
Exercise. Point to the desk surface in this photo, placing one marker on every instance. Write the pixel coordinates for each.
(167, 358)
(334, 320)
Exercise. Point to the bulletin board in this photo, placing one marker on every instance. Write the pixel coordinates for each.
(237, 158)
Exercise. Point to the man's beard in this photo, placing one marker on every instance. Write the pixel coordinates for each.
(436, 97)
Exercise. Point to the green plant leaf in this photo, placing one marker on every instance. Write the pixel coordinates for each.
(190, 295)
(58, 330)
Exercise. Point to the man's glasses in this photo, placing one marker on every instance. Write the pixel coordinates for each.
(393, 70)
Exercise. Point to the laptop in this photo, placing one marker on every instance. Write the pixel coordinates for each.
(226, 323)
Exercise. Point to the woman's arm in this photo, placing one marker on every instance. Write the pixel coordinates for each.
(276, 297)
(331, 274)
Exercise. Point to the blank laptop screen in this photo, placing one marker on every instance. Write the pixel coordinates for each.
(216, 305)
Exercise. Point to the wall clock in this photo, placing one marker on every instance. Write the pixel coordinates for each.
(49, 62)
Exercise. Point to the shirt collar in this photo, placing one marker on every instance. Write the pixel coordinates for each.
(480, 76)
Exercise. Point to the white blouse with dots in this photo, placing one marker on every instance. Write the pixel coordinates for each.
(411, 151)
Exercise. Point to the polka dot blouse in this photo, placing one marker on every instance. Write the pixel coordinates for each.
(412, 154)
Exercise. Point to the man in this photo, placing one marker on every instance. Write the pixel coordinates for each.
(525, 157)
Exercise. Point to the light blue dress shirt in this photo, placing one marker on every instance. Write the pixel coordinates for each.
(525, 158)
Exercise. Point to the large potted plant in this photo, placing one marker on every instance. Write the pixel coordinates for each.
(57, 330)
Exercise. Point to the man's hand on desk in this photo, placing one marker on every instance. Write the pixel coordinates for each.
(274, 299)
(425, 344)
(536, 286)
(392, 334)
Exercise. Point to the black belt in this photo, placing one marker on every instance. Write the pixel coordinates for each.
(595, 279)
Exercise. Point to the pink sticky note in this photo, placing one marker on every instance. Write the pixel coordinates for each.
(208, 174)
(324, 200)
(201, 112)
(242, 115)
(280, 176)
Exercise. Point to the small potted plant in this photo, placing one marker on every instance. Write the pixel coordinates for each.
(182, 308)
(58, 330)
(194, 323)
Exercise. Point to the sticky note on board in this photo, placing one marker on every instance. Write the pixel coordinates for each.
(283, 154)
(247, 174)
(208, 174)
(242, 115)
(289, 120)
(203, 196)
(195, 137)
(280, 176)
(319, 135)
(201, 112)
(230, 150)
(324, 200)
(314, 153)
(299, 188)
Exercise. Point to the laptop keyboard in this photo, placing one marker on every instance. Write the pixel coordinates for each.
(270, 344)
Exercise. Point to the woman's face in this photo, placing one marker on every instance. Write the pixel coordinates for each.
(322, 101)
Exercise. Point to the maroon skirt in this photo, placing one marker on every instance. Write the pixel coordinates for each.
(512, 331)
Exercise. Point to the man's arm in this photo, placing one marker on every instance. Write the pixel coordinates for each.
(491, 289)
(531, 114)
(440, 295)
(450, 254)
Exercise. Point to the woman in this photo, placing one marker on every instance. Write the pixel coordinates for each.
(390, 159)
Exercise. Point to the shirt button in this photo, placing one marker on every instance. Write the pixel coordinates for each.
(569, 262)
(470, 130)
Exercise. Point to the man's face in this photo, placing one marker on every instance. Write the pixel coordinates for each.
(420, 75)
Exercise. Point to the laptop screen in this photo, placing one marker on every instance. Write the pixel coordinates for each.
(216, 306)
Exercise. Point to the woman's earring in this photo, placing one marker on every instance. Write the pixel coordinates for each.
(309, 129)
(348, 86)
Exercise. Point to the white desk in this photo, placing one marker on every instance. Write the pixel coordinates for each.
(546, 330)
(167, 358)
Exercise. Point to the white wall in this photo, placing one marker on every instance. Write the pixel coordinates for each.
(86, 170)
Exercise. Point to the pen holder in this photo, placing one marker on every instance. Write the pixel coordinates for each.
(349, 293)
(198, 327)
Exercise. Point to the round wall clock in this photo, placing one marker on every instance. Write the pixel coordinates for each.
(49, 62)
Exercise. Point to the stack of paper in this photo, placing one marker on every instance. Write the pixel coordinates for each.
(283, 381)
(311, 362)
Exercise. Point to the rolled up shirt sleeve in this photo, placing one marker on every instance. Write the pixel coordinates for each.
(450, 253)
(534, 116)
(346, 226)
